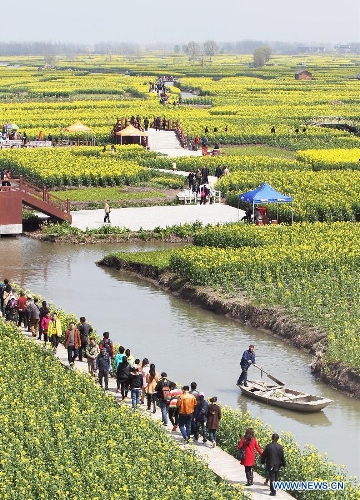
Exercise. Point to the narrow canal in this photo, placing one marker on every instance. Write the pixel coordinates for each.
(187, 342)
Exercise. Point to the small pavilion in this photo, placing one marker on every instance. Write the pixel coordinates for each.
(79, 129)
(131, 135)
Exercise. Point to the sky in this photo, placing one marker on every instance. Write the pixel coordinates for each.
(144, 21)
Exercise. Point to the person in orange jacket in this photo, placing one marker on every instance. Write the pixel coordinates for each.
(186, 403)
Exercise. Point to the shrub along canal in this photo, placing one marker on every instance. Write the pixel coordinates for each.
(189, 343)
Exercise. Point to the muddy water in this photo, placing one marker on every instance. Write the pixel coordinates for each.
(186, 341)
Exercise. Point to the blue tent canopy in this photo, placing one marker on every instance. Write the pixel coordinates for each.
(264, 194)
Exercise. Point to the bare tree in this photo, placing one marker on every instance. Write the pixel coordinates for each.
(210, 48)
(50, 60)
(193, 50)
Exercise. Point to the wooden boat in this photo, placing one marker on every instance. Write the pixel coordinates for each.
(279, 395)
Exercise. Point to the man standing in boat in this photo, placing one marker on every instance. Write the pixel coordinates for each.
(248, 359)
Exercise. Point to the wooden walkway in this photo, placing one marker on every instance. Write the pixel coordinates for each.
(221, 463)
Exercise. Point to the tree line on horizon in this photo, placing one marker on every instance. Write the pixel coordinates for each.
(208, 48)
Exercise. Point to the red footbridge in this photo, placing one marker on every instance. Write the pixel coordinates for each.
(19, 193)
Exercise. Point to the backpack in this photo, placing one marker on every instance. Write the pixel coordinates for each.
(12, 304)
(165, 391)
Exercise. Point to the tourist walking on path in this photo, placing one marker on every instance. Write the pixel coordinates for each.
(21, 310)
(273, 457)
(145, 367)
(54, 331)
(194, 392)
(213, 417)
(85, 330)
(103, 367)
(42, 312)
(45, 326)
(109, 346)
(250, 444)
(5, 290)
(72, 343)
(122, 377)
(152, 379)
(198, 176)
(135, 383)
(191, 179)
(200, 417)
(33, 315)
(107, 212)
(130, 357)
(117, 361)
(162, 391)
(186, 403)
(92, 352)
(173, 410)
(205, 175)
(248, 359)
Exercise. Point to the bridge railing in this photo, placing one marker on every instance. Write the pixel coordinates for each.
(41, 194)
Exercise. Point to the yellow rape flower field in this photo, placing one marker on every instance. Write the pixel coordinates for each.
(63, 438)
(46, 411)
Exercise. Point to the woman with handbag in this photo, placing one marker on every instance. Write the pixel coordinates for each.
(249, 444)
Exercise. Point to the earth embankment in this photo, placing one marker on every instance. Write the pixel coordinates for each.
(275, 321)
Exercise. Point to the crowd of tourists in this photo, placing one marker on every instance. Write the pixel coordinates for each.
(142, 124)
(198, 182)
(186, 408)
(10, 132)
(159, 87)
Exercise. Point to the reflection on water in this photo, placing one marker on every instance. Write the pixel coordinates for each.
(186, 341)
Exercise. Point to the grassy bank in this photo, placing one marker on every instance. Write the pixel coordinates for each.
(66, 233)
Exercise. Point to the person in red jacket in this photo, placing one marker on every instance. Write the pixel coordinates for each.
(250, 444)
(21, 309)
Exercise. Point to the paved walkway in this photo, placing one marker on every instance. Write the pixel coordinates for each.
(166, 142)
(221, 463)
(151, 217)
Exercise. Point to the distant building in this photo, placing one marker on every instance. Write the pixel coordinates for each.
(343, 48)
(303, 75)
(304, 49)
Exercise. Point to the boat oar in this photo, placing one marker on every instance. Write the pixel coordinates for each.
(271, 377)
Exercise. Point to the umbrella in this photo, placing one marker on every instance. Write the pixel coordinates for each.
(12, 126)
(78, 127)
